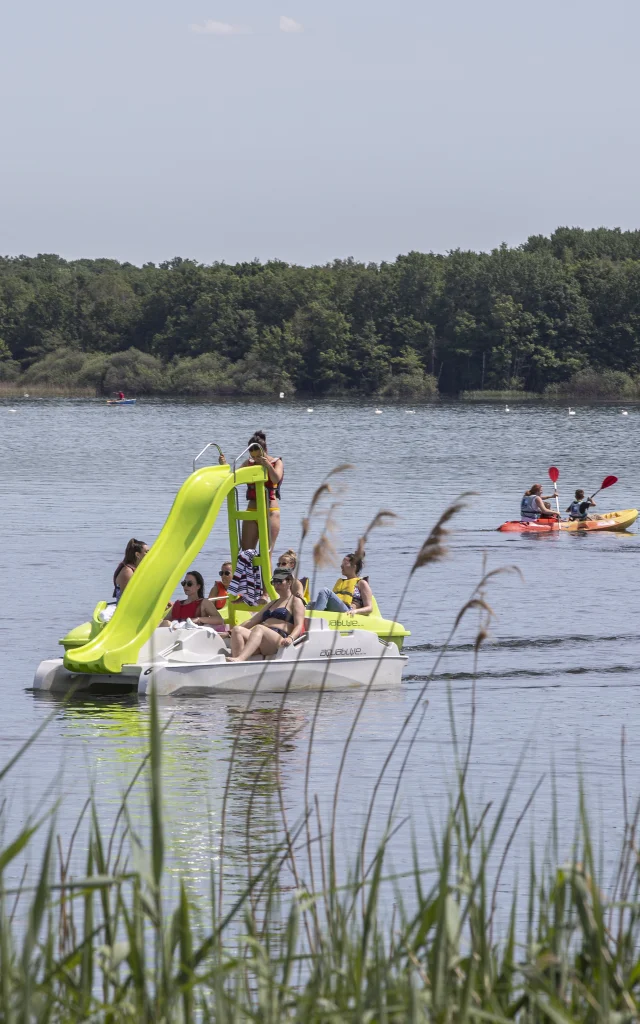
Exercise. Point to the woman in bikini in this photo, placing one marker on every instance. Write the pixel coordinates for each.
(258, 455)
(275, 626)
(135, 552)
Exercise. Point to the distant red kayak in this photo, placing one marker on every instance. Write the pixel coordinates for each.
(620, 520)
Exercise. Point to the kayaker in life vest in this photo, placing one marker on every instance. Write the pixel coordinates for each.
(532, 506)
(275, 474)
(135, 552)
(121, 396)
(351, 594)
(580, 506)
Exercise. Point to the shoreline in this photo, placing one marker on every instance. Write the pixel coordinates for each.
(14, 389)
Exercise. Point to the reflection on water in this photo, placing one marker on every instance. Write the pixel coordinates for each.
(560, 670)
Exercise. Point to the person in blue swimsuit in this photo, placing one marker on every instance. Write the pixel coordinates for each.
(277, 625)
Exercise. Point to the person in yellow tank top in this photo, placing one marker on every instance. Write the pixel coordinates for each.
(352, 593)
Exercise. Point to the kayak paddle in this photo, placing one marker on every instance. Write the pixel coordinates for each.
(608, 481)
(554, 473)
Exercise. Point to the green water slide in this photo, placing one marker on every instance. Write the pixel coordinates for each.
(188, 525)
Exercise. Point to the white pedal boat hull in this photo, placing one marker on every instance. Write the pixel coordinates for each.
(188, 662)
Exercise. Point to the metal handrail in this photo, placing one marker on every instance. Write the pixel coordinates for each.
(247, 449)
(212, 444)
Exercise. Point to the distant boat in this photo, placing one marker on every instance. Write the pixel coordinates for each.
(121, 401)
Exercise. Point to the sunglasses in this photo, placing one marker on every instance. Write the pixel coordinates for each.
(188, 583)
(225, 572)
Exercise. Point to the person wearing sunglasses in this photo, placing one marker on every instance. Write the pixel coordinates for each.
(219, 588)
(195, 606)
(277, 625)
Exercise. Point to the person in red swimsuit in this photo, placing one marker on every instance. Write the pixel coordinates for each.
(194, 605)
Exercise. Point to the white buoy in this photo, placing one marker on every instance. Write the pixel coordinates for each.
(25, 396)
(309, 410)
(624, 412)
(410, 412)
(282, 394)
(378, 412)
(572, 412)
(507, 409)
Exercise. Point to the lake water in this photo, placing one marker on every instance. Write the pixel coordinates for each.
(560, 672)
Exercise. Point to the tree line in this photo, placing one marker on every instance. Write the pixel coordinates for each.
(558, 313)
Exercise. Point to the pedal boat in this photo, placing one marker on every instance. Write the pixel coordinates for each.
(191, 661)
(620, 520)
(123, 647)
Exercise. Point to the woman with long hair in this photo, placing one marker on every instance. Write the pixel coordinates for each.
(533, 507)
(194, 605)
(134, 553)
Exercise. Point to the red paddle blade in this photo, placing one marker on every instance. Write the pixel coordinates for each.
(555, 473)
(608, 481)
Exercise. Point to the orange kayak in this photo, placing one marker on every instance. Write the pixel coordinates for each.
(620, 520)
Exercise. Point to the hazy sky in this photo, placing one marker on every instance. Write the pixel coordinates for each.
(146, 129)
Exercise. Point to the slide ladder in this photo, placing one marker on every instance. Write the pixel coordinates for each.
(144, 601)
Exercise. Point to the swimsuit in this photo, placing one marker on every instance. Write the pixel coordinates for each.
(117, 591)
(184, 610)
(277, 613)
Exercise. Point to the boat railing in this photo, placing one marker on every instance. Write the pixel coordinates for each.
(212, 444)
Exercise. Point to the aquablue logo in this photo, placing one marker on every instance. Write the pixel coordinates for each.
(341, 652)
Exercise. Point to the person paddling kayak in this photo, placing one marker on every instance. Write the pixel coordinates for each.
(580, 506)
(532, 506)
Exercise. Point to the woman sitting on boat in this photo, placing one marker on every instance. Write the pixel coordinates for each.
(299, 587)
(350, 594)
(195, 606)
(258, 455)
(532, 506)
(219, 588)
(135, 552)
(277, 625)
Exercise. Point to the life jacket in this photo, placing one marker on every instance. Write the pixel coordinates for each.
(578, 509)
(274, 492)
(220, 589)
(182, 612)
(528, 509)
(349, 591)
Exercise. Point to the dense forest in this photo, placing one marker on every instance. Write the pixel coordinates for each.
(554, 315)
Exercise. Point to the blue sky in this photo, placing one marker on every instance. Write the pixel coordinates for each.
(128, 131)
